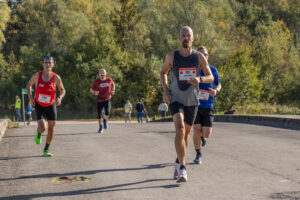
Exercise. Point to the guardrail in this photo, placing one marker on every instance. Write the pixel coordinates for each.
(290, 122)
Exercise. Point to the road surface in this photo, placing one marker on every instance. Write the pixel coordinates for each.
(135, 161)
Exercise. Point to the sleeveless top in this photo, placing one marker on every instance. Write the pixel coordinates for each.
(18, 103)
(45, 92)
(184, 68)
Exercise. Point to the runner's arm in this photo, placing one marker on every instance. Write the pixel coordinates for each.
(93, 90)
(61, 88)
(208, 78)
(113, 87)
(164, 76)
(29, 85)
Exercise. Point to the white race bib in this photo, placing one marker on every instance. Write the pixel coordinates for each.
(186, 73)
(103, 85)
(204, 94)
(44, 98)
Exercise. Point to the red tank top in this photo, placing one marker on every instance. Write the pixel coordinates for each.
(45, 92)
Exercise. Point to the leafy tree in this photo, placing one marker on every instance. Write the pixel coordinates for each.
(240, 83)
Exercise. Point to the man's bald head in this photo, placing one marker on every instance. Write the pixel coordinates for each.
(186, 37)
(186, 28)
(102, 74)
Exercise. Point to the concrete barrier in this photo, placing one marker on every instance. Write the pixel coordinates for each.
(281, 121)
(3, 126)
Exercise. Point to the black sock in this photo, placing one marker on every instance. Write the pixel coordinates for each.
(182, 167)
(46, 147)
(198, 151)
(177, 161)
(39, 134)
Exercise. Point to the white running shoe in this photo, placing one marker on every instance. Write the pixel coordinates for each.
(182, 177)
(176, 170)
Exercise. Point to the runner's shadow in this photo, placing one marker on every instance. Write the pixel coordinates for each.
(111, 188)
(64, 134)
(16, 158)
(146, 167)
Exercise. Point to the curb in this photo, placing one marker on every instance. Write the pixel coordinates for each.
(3, 126)
(275, 121)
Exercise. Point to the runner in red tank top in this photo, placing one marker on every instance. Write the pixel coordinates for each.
(103, 88)
(45, 100)
(45, 92)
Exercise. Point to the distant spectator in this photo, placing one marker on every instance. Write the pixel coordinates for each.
(128, 110)
(163, 109)
(29, 113)
(140, 110)
(18, 108)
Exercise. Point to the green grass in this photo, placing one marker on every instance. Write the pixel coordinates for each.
(268, 109)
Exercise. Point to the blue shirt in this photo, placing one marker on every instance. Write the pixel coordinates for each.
(28, 110)
(207, 101)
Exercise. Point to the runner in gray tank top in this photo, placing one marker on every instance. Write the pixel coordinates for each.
(185, 65)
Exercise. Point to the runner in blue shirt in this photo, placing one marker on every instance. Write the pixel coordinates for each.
(29, 113)
(203, 123)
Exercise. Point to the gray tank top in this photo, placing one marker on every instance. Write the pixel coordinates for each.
(184, 68)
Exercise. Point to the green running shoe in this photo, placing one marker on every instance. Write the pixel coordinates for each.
(47, 154)
(38, 140)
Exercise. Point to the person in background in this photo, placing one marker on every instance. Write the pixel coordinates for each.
(204, 120)
(29, 113)
(103, 88)
(128, 110)
(163, 109)
(18, 108)
(140, 110)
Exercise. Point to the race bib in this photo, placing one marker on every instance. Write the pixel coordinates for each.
(204, 94)
(44, 98)
(186, 73)
(103, 85)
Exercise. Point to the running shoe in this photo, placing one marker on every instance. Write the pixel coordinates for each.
(203, 141)
(182, 176)
(104, 124)
(176, 170)
(38, 138)
(100, 129)
(46, 153)
(198, 159)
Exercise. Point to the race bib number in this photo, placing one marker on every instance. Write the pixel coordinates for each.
(103, 85)
(204, 94)
(187, 73)
(44, 98)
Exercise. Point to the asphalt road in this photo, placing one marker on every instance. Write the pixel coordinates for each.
(135, 161)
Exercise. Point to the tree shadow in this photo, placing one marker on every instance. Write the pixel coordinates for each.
(16, 158)
(111, 188)
(56, 135)
(90, 172)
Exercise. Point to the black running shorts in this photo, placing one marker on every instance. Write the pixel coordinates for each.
(204, 117)
(48, 113)
(106, 105)
(189, 112)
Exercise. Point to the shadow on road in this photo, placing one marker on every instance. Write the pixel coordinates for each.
(56, 134)
(146, 167)
(111, 188)
(16, 158)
